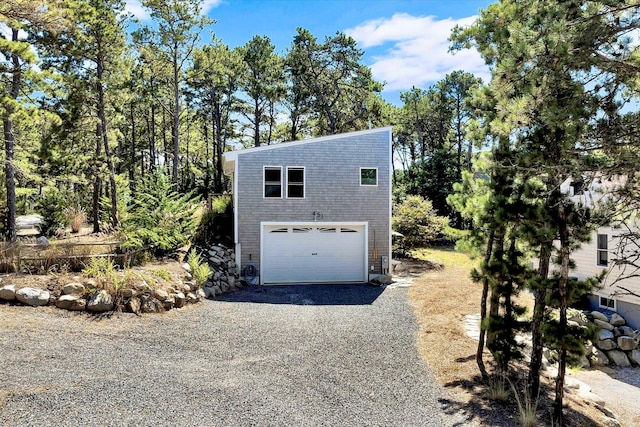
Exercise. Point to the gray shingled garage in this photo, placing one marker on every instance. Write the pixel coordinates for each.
(314, 252)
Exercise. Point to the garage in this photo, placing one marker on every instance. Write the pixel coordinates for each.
(313, 253)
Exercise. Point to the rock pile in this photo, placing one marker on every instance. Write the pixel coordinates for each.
(86, 296)
(617, 343)
(226, 274)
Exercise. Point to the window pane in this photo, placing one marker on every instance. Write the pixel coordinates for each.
(602, 241)
(295, 191)
(603, 258)
(272, 190)
(368, 177)
(272, 175)
(295, 175)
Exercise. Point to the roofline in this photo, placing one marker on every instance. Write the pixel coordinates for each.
(233, 155)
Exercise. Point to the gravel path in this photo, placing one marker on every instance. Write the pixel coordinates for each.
(289, 355)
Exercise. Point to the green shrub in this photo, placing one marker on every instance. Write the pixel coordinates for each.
(200, 269)
(417, 221)
(160, 220)
(53, 208)
(101, 269)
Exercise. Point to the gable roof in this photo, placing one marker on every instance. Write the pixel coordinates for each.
(231, 156)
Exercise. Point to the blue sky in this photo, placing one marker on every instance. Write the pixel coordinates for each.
(405, 41)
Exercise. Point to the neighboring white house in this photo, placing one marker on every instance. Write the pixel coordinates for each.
(591, 259)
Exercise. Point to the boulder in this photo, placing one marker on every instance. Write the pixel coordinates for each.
(32, 296)
(608, 344)
(8, 292)
(100, 302)
(149, 304)
(186, 267)
(74, 288)
(216, 290)
(71, 302)
(617, 320)
(180, 299)
(605, 334)
(634, 357)
(192, 298)
(232, 281)
(603, 325)
(200, 294)
(128, 293)
(626, 343)
(578, 317)
(133, 305)
(597, 315)
(627, 331)
(161, 294)
(169, 303)
(599, 358)
(619, 358)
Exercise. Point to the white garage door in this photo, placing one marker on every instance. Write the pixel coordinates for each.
(313, 253)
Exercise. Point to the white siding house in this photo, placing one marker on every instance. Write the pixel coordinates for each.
(600, 254)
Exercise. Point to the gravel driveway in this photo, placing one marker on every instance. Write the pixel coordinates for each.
(332, 355)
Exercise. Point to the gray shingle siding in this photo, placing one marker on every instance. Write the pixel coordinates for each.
(332, 187)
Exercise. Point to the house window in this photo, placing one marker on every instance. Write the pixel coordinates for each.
(369, 176)
(273, 181)
(603, 250)
(295, 183)
(608, 303)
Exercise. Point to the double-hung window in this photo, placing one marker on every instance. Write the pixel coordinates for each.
(273, 182)
(603, 250)
(295, 182)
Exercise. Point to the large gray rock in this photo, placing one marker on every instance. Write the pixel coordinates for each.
(634, 357)
(71, 302)
(603, 325)
(32, 296)
(619, 358)
(617, 320)
(597, 315)
(8, 292)
(161, 294)
(626, 331)
(626, 343)
(180, 299)
(606, 344)
(599, 358)
(150, 304)
(169, 303)
(73, 288)
(133, 305)
(100, 302)
(605, 334)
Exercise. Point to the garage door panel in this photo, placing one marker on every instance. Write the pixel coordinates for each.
(313, 254)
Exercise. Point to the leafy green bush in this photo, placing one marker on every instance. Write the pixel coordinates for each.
(53, 208)
(417, 221)
(160, 220)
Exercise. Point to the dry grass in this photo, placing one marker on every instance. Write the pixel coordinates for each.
(441, 300)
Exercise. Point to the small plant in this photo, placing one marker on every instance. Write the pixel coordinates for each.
(200, 269)
(497, 388)
(101, 269)
(76, 217)
(527, 406)
(163, 274)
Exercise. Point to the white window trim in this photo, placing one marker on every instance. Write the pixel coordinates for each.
(304, 182)
(264, 182)
(598, 250)
(368, 185)
(615, 303)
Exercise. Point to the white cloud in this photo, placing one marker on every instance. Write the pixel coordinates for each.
(135, 8)
(413, 50)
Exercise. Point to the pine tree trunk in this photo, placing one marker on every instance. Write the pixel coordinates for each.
(483, 310)
(176, 118)
(539, 307)
(97, 182)
(9, 144)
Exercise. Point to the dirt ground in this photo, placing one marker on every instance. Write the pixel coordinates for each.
(441, 299)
